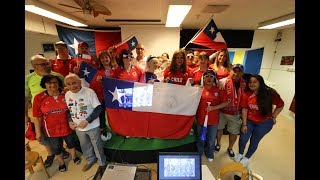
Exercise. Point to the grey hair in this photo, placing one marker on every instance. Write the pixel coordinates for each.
(33, 58)
(71, 75)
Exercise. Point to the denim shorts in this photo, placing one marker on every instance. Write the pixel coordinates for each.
(56, 143)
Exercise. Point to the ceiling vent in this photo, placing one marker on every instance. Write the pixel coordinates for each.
(134, 20)
(215, 8)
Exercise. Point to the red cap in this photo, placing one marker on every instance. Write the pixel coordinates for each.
(82, 44)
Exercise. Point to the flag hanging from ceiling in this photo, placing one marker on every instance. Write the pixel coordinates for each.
(159, 110)
(130, 43)
(97, 40)
(210, 36)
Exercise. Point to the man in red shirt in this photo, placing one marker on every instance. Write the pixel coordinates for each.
(63, 63)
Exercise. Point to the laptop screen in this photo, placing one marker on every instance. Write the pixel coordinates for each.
(179, 166)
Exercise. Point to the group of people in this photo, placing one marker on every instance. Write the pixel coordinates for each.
(63, 109)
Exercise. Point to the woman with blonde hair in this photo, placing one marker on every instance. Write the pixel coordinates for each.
(222, 64)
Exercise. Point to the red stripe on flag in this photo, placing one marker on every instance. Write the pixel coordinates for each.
(148, 124)
(206, 41)
(104, 40)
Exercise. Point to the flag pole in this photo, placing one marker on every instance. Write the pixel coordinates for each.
(198, 32)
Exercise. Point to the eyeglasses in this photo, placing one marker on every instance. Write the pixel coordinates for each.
(42, 64)
(209, 75)
(189, 57)
(140, 49)
(54, 83)
(127, 56)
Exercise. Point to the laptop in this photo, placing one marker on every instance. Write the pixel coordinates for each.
(179, 166)
(119, 172)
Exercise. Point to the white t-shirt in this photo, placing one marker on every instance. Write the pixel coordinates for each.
(81, 105)
(141, 64)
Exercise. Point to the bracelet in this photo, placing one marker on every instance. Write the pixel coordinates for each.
(244, 125)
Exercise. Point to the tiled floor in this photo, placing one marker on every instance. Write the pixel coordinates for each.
(273, 160)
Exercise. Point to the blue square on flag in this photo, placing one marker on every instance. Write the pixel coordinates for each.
(87, 71)
(211, 30)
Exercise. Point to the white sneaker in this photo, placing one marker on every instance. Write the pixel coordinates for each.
(244, 161)
(106, 138)
(210, 159)
(238, 157)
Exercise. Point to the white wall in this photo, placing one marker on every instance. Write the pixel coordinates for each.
(271, 70)
(33, 46)
(156, 39)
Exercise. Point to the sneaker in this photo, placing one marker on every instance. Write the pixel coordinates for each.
(63, 168)
(244, 161)
(217, 148)
(48, 162)
(107, 137)
(210, 159)
(230, 153)
(87, 167)
(238, 157)
(65, 154)
(77, 160)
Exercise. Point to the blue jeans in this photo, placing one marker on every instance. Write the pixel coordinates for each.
(255, 132)
(211, 139)
(92, 146)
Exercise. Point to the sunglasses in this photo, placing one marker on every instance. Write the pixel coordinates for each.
(209, 75)
(189, 57)
(42, 64)
(127, 56)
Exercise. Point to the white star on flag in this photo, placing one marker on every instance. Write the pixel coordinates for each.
(115, 95)
(133, 43)
(75, 45)
(211, 30)
(86, 72)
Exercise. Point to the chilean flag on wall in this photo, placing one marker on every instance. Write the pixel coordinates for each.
(130, 43)
(159, 110)
(210, 36)
(97, 40)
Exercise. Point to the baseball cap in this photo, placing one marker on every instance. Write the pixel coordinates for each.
(60, 43)
(240, 66)
(82, 44)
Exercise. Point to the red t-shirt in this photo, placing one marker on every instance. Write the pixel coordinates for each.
(54, 113)
(134, 73)
(249, 101)
(222, 72)
(63, 67)
(96, 83)
(215, 96)
(177, 77)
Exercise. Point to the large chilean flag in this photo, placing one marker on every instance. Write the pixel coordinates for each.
(159, 110)
(97, 40)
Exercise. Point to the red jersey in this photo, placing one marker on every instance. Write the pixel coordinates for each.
(96, 83)
(88, 59)
(249, 101)
(54, 113)
(215, 96)
(176, 78)
(222, 72)
(63, 67)
(134, 74)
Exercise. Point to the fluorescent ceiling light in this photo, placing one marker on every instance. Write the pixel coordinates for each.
(47, 11)
(278, 22)
(177, 11)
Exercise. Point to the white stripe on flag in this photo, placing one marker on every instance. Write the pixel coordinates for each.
(166, 98)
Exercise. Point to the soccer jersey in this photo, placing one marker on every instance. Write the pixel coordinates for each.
(88, 59)
(134, 74)
(249, 101)
(63, 66)
(222, 72)
(54, 112)
(96, 84)
(177, 77)
(32, 84)
(215, 96)
(81, 105)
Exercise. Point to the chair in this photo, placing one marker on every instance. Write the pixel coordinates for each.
(32, 158)
(238, 167)
(233, 167)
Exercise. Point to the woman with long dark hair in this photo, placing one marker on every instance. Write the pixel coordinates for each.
(258, 115)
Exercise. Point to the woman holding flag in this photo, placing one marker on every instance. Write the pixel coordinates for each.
(212, 99)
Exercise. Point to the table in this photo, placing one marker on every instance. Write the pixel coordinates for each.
(206, 174)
